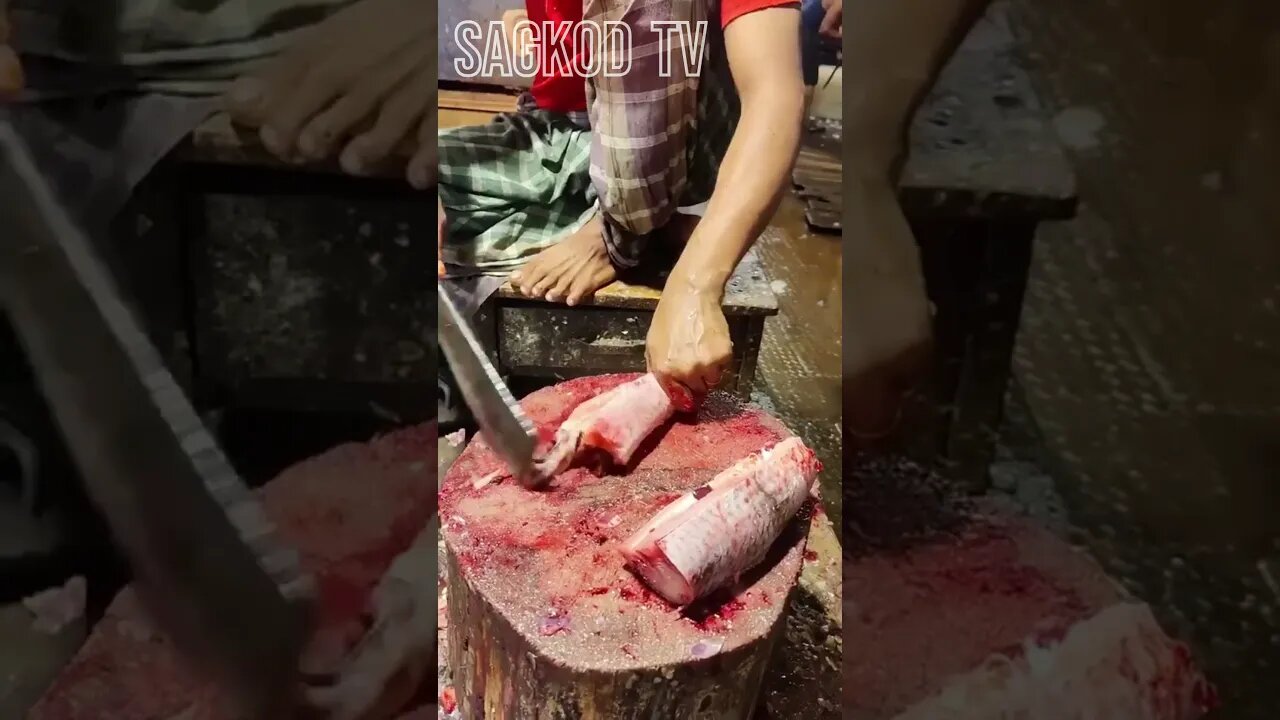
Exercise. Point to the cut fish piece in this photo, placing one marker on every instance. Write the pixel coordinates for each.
(1117, 664)
(385, 669)
(709, 536)
(615, 422)
(960, 608)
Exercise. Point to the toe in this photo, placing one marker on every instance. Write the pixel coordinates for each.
(422, 167)
(246, 101)
(580, 289)
(319, 136)
(528, 278)
(421, 170)
(249, 99)
(576, 294)
(286, 117)
(542, 285)
(560, 290)
(399, 117)
(362, 101)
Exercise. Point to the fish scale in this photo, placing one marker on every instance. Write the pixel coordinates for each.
(617, 422)
(709, 538)
(750, 506)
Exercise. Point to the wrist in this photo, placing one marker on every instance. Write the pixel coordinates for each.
(704, 268)
(702, 282)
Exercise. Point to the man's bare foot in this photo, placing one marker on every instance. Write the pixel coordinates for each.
(422, 167)
(569, 271)
(356, 86)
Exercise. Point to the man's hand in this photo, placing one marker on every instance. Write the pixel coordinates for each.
(11, 80)
(833, 22)
(688, 343)
(521, 43)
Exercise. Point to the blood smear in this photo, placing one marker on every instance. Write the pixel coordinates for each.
(448, 699)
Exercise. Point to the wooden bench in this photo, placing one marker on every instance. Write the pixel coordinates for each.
(545, 341)
(984, 170)
(540, 341)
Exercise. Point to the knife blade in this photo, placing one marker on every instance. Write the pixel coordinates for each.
(204, 555)
(509, 430)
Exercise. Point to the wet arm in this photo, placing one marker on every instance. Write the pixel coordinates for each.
(764, 57)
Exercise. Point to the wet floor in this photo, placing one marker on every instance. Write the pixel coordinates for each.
(1147, 398)
(799, 372)
(1144, 417)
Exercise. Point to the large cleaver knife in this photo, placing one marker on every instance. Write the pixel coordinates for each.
(509, 431)
(202, 551)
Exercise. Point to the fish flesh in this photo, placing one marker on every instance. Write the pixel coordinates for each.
(614, 422)
(1116, 664)
(385, 670)
(712, 534)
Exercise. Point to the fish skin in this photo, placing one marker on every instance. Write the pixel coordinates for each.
(615, 422)
(712, 534)
(383, 672)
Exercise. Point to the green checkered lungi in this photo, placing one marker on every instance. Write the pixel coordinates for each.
(519, 184)
(513, 187)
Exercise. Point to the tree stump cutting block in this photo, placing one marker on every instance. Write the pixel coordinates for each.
(544, 619)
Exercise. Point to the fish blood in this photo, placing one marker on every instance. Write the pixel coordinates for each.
(615, 422)
(710, 535)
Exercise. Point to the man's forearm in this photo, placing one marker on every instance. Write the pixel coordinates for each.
(756, 168)
(897, 48)
(752, 179)
(878, 240)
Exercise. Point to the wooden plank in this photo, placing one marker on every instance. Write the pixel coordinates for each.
(451, 118)
(219, 141)
(819, 180)
(490, 102)
(556, 341)
(747, 293)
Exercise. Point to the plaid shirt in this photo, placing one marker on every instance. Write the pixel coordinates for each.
(522, 182)
(657, 141)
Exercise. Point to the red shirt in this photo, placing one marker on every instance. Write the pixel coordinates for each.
(568, 92)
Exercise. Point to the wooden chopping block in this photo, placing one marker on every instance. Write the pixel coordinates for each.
(544, 620)
(349, 512)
